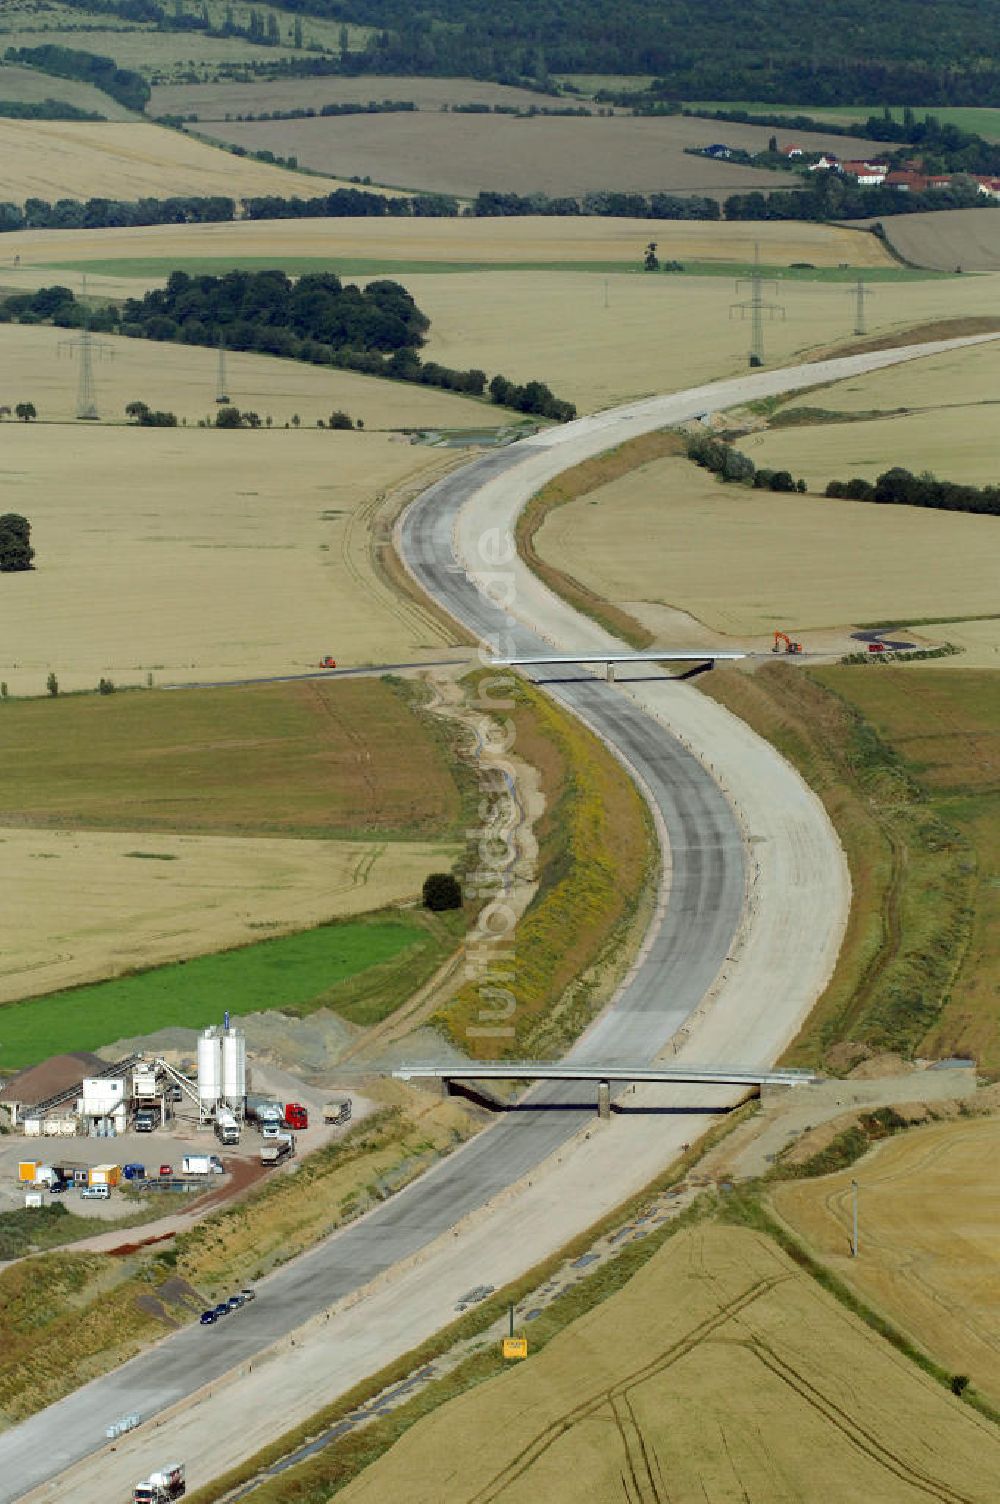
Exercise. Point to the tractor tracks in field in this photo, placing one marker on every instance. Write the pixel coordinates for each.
(643, 1475)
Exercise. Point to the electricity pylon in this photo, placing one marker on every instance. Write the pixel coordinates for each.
(221, 392)
(757, 307)
(859, 292)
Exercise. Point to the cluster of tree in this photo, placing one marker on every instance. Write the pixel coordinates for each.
(941, 147)
(533, 397)
(307, 112)
(317, 318)
(259, 26)
(621, 205)
(45, 109)
(149, 417)
(129, 88)
(111, 213)
(899, 487)
(731, 465)
(351, 203)
(573, 110)
(917, 53)
(16, 552)
(831, 196)
(267, 312)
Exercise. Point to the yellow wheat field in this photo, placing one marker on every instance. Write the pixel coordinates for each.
(940, 415)
(41, 365)
(479, 240)
(743, 561)
(85, 905)
(202, 554)
(929, 1222)
(53, 159)
(720, 1372)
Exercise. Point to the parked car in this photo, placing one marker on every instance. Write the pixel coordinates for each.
(166, 1169)
(235, 1301)
(58, 1186)
(249, 1294)
(207, 1317)
(222, 1309)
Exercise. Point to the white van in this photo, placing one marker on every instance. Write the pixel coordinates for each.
(96, 1193)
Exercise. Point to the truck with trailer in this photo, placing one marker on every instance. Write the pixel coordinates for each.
(338, 1111)
(296, 1116)
(275, 1150)
(146, 1120)
(261, 1110)
(160, 1487)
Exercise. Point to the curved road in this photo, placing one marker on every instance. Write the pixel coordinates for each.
(693, 941)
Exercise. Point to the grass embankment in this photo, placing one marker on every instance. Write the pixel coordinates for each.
(579, 481)
(148, 268)
(362, 969)
(596, 863)
(67, 1317)
(904, 761)
(52, 1226)
(319, 758)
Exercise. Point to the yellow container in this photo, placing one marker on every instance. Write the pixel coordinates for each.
(26, 1170)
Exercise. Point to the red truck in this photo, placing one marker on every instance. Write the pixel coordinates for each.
(296, 1116)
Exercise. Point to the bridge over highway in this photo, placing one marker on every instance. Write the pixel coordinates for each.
(604, 1074)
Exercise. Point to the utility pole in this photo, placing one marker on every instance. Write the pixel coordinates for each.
(757, 307)
(854, 1207)
(90, 349)
(859, 294)
(221, 393)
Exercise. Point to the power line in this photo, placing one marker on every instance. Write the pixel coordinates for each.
(757, 307)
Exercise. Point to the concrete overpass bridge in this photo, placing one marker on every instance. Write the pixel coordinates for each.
(703, 658)
(604, 1075)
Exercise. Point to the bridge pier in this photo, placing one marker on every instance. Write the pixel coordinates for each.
(604, 1100)
(609, 671)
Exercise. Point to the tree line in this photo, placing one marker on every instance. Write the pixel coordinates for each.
(129, 88)
(376, 331)
(45, 109)
(899, 487)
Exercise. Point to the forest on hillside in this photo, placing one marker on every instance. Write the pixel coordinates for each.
(924, 52)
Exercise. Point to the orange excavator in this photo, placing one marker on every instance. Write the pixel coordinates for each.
(790, 646)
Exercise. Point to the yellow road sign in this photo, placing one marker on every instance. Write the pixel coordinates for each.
(515, 1347)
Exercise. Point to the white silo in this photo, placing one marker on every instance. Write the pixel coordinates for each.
(234, 1069)
(209, 1071)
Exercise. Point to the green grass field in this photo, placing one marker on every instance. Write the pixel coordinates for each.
(295, 972)
(149, 268)
(985, 122)
(319, 758)
(905, 759)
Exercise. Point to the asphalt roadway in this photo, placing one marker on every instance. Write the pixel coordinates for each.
(680, 962)
(685, 956)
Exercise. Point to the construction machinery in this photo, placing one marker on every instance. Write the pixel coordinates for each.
(790, 646)
(327, 662)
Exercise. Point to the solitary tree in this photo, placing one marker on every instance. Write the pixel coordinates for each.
(340, 420)
(16, 552)
(651, 262)
(137, 410)
(228, 417)
(25, 411)
(442, 891)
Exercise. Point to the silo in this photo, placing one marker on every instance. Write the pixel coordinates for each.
(209, 1071)
(234, 1068)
